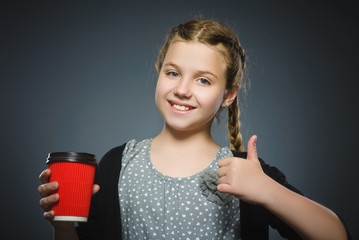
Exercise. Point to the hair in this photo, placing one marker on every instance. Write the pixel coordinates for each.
(215, 34)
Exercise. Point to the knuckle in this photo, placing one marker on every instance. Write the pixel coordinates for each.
(43, 202)
(47, 202)
(42, 189)
(47, 216)
(232, 170)
(42, 174)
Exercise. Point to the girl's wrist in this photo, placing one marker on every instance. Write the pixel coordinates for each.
(270, 192)
(64, 231)
(63, 226)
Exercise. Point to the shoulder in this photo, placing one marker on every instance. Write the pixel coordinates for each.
(116, 154)
(112, 154)
(134, 146)
(109, 167)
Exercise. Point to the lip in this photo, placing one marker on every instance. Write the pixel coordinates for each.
(172, 102)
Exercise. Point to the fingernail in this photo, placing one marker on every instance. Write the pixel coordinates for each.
(49, 214)
(55, 197)
(55, 184)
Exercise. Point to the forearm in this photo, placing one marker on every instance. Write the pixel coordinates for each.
(308, 218)
(65, 231)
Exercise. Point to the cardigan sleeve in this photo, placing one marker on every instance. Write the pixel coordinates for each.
(104, 218)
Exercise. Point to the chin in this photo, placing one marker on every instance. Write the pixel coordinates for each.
(187, 127)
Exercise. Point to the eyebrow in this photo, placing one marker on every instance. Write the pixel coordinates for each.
(199, 72)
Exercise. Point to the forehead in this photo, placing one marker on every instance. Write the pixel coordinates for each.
(196, 56)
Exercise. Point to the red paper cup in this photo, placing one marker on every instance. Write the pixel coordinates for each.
(75, 174)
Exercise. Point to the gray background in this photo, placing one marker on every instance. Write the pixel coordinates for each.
(79, 76)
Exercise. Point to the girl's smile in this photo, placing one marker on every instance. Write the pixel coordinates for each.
(180, 107)
(191, 85)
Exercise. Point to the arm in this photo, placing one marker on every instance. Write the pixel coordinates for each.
(65, 230)
(310, 219)
(245, 179)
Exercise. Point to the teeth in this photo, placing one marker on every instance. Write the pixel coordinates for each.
(180, 107)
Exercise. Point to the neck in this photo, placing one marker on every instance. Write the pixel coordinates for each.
(189, 139)
(182, 153)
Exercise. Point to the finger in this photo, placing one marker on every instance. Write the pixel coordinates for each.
(45, 176)
(95, 189)
(49, 215)
(222, 171)
(224, 162)
(47, 203)
(47, 188)
(251, 148)
(224, 188)
(223, 179)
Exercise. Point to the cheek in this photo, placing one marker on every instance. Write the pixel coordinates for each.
(212, 100)
(161, 91)
(157, 93)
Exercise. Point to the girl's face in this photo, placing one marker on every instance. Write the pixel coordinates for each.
(191, 85)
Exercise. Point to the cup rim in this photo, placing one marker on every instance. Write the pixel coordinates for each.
(78, 157)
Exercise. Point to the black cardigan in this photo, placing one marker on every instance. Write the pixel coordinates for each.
(104, 220)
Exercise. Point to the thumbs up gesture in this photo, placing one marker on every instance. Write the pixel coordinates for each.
(243, 178)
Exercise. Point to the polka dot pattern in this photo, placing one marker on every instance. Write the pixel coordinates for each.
(155, 206)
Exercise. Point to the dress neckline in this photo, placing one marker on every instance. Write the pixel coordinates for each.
(178, 179)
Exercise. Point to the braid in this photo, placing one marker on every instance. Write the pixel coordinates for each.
(235, 137)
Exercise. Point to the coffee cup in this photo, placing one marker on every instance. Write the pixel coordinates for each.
(74, 171)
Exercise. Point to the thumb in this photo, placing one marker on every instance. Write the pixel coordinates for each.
(95, 189)
(251, 148)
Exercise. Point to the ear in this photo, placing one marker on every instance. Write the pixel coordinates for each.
(230, 95)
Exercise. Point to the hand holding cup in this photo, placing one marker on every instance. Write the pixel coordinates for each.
(67, 185)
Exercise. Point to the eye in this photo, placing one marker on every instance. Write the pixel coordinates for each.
(173, 74)
(204, 81)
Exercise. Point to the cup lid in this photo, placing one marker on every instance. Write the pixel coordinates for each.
(79, 157)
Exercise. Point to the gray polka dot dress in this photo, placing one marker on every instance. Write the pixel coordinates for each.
(156, 206)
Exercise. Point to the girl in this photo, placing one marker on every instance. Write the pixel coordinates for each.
(181, 184)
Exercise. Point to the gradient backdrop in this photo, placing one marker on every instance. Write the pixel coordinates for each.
(79, 76)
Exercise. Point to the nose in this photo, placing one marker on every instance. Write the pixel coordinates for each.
(183, 88)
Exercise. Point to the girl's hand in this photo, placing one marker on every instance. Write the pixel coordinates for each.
(48, 197)
(48, 200)
(243, 178)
